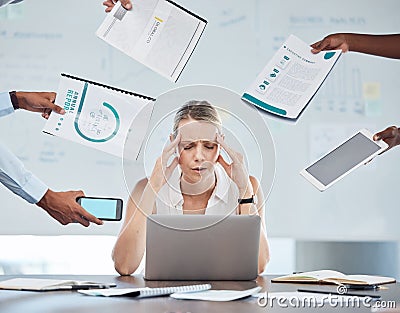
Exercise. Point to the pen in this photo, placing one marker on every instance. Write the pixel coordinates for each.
(337, 293)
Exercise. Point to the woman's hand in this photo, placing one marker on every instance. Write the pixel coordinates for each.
(236, 170)
(162, 171)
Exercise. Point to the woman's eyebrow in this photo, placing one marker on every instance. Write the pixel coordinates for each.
(201, 140)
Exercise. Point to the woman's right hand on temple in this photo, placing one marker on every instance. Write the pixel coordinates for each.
(162, 171)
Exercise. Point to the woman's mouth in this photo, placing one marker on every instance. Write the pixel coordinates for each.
(198, 169)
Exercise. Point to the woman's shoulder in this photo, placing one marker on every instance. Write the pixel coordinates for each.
(254, 181)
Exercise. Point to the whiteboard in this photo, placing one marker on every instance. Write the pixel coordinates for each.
(40, 39)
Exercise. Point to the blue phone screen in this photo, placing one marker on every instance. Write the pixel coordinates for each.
(103, 208)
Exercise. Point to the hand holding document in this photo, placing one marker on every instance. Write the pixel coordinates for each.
(290, 80)
(158, 33)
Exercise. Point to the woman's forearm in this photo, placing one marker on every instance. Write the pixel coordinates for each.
(129, 248)
(263, 254)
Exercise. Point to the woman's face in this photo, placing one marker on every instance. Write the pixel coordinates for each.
(198, 149)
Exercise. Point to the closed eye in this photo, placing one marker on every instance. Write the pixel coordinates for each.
(187, 147)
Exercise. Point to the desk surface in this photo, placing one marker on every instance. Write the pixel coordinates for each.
(71, 301)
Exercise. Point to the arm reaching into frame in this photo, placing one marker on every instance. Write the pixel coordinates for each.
(380, 45)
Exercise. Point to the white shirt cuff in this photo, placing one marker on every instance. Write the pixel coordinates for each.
(6, 106)
(35, 188)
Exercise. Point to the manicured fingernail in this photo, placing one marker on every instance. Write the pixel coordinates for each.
(128, 6)
(62, 111)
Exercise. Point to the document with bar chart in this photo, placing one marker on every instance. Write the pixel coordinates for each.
(291, 78)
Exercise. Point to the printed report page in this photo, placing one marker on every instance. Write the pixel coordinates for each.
(99, 117)
(156, 33)
(291, 78)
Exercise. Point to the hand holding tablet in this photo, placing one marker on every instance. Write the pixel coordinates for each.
(355, 151)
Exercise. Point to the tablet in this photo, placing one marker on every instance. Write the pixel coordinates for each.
(333, 166)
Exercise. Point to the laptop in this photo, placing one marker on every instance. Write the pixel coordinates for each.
(202, 247)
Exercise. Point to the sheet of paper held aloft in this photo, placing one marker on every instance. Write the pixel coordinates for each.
(100, 116)
(158, 33)
(291, 78)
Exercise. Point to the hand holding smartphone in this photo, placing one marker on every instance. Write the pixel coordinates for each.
(106, 209)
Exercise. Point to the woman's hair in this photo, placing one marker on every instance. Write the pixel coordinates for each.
(199, 111)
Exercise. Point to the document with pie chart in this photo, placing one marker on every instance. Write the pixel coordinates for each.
(291, 78)
(100, 116)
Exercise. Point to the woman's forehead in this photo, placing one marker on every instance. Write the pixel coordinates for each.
(192, 130)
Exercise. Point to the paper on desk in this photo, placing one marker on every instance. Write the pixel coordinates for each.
(216, 295)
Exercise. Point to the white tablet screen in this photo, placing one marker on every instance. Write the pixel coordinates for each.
(343, 159)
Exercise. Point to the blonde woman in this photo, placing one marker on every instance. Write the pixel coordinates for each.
(197, 181)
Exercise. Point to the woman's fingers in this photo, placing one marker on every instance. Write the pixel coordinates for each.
(170, 150)
(170, 168)
(224, 164)
(174, 143)
(229, 151)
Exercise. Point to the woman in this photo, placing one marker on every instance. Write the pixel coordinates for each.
(203, 183)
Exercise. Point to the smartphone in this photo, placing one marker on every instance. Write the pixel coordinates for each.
(355, 151)
(106, 209)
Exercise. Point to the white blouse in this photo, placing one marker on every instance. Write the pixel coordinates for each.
(223, 200)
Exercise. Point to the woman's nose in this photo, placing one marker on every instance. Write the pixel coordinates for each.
(199, 153)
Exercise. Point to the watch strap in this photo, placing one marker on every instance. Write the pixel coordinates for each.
(246, 200)
(14, 100)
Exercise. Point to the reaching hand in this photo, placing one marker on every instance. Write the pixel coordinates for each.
(110, 4)
(236, 170)
(39, 102)
(162, 171)
(331, 42)
(390, 135)
(62, 206)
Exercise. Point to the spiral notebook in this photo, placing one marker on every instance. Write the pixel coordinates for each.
(100, 116)
(160, 34)
(146, 292)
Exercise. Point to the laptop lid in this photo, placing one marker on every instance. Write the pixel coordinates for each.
(202, 247)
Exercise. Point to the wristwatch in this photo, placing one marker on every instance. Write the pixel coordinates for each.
(248, 200)
(14, 100)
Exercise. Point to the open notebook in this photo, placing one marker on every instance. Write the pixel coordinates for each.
(333, 277)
